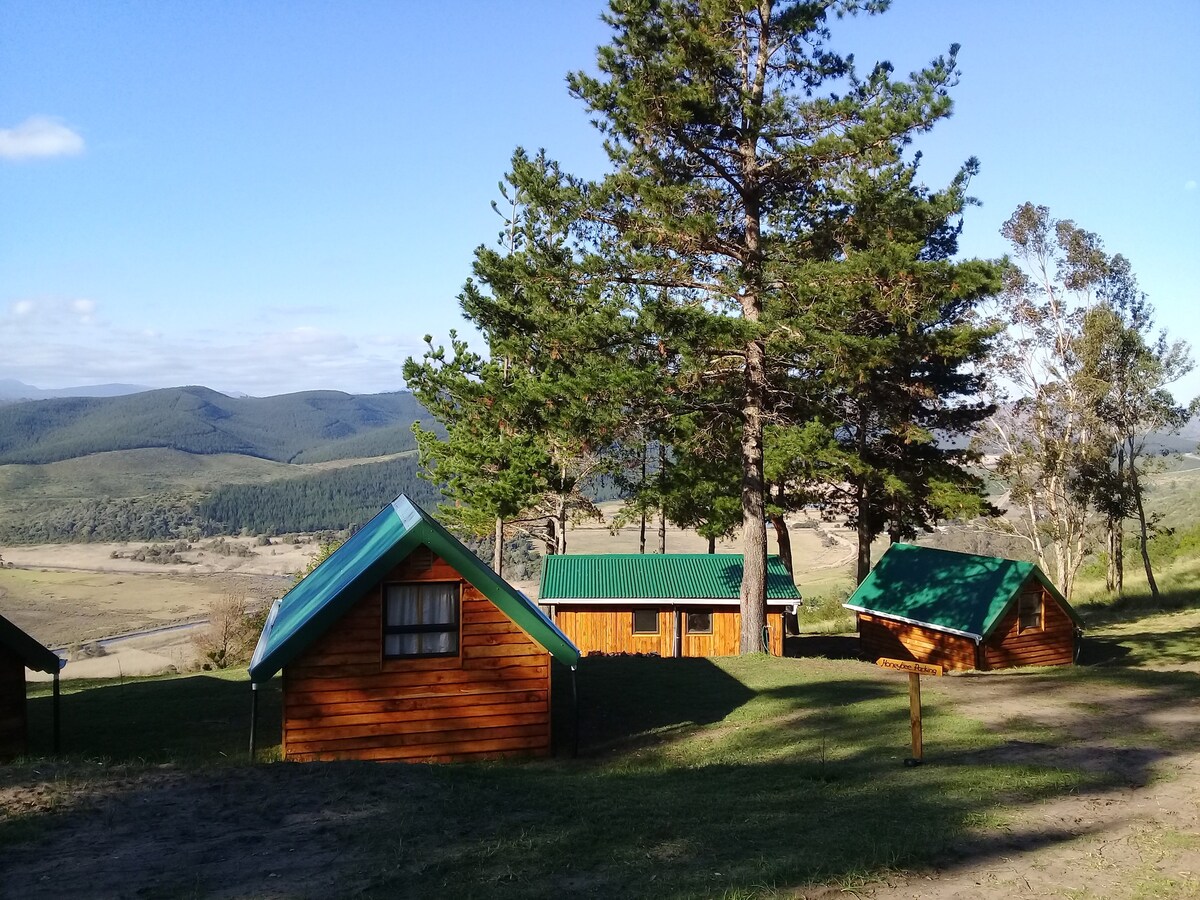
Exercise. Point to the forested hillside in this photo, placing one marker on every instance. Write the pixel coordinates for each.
(336, 499)
(315, 425)
(188, 462)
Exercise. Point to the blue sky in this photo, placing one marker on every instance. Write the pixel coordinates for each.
(269, 197)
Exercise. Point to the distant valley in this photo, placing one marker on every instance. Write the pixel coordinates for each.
(185, 462)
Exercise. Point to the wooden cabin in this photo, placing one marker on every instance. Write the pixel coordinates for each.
(403, 645)
(20, 651)
(963, 611)
(674, 604)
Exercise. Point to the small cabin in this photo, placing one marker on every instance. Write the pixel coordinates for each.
(962, 611)
(403, 645)
(670, 604)
(20, 651)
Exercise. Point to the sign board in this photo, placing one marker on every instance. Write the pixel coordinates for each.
(913, 668)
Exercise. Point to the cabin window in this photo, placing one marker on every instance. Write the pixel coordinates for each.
(420, 620)
(1029, 611)
(700, 622)
(645, 621)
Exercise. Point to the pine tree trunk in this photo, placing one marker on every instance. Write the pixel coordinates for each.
(642, 531)
(562, 524)
(784, 539)
(498, 551)
(662, 510)
(863, 533)
(754, 527)
(712, 544)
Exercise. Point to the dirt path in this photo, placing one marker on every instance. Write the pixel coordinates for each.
(1140, 841)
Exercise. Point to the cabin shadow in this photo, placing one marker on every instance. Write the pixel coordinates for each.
(626, 698)
(197, 717)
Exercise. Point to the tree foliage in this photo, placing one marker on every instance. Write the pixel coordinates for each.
(1090, 381)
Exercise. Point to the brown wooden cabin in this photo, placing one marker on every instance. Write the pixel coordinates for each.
(403, 645)
(672, 605)
(963, 611)
(20, 651)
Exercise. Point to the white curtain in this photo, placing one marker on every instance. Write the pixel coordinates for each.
(421, 604)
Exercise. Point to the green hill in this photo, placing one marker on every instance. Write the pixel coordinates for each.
(316, 425)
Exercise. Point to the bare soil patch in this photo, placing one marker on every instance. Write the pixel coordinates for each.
(1139, 840)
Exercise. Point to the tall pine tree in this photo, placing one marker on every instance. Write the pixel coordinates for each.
(723, 121)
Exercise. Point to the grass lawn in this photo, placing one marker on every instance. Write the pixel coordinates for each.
(735, 777)
(730, 777)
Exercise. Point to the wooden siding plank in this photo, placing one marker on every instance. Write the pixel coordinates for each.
(443, 752)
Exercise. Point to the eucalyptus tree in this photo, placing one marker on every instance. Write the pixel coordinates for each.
(1126, 370)
(723, 120)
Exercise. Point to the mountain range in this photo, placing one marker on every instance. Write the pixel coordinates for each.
(12, 391)
(307, 427)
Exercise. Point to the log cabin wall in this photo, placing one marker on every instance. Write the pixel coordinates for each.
(1052, 644)
(609, 629)
(13, 713)
(343, 700)
(880, 637)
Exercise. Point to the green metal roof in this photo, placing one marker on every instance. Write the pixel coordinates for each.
(34, 655)
(310, 608)
(957, 592)
(655, 576)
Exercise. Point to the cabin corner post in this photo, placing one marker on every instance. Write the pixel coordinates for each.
(253, 718)
(574, 713)
(57, 717)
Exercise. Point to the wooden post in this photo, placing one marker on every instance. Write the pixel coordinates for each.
(915, 670)
(914, 711)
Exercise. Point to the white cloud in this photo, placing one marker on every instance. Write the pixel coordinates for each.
(83, 310)
(1190, 184)
(39, 136)
(22, 308)
(58, 347)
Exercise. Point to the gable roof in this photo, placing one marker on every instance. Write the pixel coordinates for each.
(310, 608)
(597, 577)
(960, 593)
(32, 654)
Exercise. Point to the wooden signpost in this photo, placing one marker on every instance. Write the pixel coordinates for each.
(915, 670)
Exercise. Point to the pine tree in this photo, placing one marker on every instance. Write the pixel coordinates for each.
(723, 120)
(898, 377)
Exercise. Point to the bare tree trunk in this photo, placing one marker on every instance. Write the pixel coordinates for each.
(712, 544)
(498, 550)
(551, 535)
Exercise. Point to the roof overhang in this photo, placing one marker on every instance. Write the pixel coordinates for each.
(932, 627)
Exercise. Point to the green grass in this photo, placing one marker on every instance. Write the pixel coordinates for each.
(733, 777)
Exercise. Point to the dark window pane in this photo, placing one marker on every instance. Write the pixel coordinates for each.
(645, 621)
(700, 622)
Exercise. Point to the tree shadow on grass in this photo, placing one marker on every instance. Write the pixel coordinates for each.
(824, 646)
(627, 698)
(1134, 607)
(801, 782)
